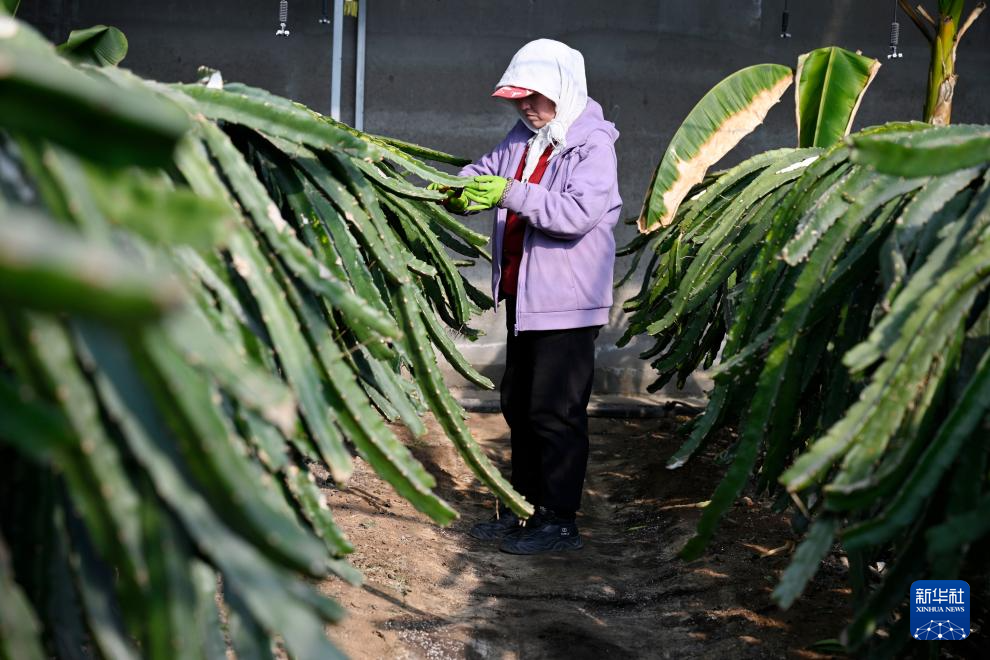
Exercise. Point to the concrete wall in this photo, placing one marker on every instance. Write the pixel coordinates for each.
(431, 65)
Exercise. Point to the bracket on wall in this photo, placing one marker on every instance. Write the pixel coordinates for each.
(283, 18)
(895, 36)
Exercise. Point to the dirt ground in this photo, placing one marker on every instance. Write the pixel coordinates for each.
(436, 593)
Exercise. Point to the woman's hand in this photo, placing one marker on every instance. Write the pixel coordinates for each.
(485, 191)
(455, 201)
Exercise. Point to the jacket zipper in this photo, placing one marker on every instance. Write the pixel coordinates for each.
(527, 234)
(528, 231)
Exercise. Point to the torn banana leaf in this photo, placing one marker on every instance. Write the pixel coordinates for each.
(723, 117)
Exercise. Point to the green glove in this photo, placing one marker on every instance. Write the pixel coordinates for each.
(485, 191)
(454, 201)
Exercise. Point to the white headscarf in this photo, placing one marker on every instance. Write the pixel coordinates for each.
(556, 71)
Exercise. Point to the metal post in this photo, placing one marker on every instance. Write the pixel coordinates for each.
(336, 58)
(359, 84)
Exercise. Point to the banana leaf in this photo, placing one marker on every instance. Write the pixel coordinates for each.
(723, 117)
(830, 84)
(99, 45)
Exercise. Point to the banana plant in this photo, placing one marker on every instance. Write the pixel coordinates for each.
(842, 291)
(101, 45)
(943, 31)
(830, 85)
(723, 117)
(205, 291)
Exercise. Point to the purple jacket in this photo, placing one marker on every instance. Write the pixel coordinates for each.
(565, 278)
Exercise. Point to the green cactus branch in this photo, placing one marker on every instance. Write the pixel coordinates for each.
(205, 290)
(840, 293)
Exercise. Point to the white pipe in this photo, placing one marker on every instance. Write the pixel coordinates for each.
(359, 84)
(336, 58)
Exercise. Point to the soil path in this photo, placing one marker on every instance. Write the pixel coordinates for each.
(437, 593)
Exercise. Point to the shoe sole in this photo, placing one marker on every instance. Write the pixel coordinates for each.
(559, 546)
(491, 536)
(479, 536)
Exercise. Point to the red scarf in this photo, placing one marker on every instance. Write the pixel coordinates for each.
(515, 230)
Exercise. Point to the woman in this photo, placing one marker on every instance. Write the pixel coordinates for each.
(554, 184)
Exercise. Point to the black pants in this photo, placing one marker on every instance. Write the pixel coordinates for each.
(545, 392)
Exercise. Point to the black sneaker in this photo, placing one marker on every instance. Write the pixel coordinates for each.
(505, 522)
(544, 532)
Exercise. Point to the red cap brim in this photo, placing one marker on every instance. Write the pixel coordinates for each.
(510, 92)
